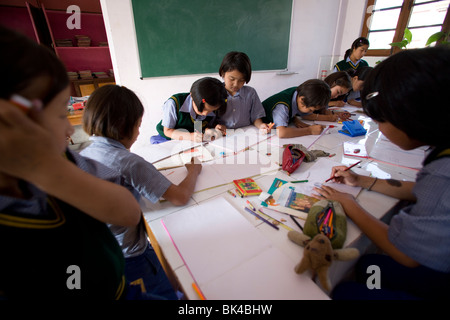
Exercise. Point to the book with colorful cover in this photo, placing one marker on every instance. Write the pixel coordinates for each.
(248, 187)
(287, 200)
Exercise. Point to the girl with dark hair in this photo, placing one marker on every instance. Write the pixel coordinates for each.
(192, 115)
(358, 77)
(112, 118)
(353, 56)
(244, 106)
(54, 241)
(416, 263)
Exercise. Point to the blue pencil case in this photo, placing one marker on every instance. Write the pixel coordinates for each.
(353, 128)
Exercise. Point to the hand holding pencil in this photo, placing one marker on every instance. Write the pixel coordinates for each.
(343, 174)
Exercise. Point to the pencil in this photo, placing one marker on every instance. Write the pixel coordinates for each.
(229, 191)
(23, 103)
(271, 125)
(346, 169)
(298, 181)
(197, 289)
(259, 217)
(295, 221)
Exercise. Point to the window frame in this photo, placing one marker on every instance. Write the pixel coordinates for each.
(402, 23)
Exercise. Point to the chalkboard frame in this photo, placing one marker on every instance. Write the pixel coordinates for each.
(179, 37)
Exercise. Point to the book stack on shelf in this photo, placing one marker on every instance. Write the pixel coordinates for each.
(100, 74)
(85, 74)
(64, 42)
(72, 75)
(83, 41)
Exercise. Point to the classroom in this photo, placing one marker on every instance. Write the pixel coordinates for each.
(223, 245)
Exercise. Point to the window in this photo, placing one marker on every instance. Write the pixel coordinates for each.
(385, 22)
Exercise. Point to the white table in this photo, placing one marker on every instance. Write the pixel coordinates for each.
(332, 142)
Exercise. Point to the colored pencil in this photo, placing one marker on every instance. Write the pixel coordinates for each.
(346, 169)
(259, 217)
(197, 289)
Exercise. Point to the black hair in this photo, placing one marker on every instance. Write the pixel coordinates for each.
(339, 78)
(315, 93)
(112, 111)
(409, 90)
(359, 42)
(362, 73)
(236, 61)
(22, 61)
(210, 90)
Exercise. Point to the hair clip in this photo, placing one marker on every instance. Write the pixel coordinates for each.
(226, 100)
(371, 95)
(203, 100)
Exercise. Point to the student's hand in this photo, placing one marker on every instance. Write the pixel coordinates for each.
(196, 136)
(332, 117)
(24, 145)
(316, 129)
(348, 177)
(344, 115)
(326, 192)
(222, 128)
(264, 128)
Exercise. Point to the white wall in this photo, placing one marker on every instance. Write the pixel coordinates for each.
(320, 33)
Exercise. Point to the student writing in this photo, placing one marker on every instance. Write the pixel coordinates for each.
(187, 115)
(283, 108)
(244, 107)
(112, 117)
(416, 242)
(53, 211)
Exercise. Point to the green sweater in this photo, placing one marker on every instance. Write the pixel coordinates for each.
(345, 65)
(37, 250)
(184, 119)
(283, 97)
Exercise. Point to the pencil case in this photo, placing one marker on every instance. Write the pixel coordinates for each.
(327, 217)
(292, 158)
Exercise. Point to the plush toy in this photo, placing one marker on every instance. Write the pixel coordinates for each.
(318, 255)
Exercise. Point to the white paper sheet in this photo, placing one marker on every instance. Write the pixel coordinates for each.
(156, 152)
(384, 150)
(230, 259)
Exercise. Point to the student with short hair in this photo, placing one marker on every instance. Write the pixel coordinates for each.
(244, 107)
(416, 245)
(284, 107)
(112, 117)
(193, 115)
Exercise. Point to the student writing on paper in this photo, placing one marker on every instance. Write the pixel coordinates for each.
(244, 107)
(416, 241)
(112, 117)
(284, 107)
(54, 241)
(186, 116)
(358, 76)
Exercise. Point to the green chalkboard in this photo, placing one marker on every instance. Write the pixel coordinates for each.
(181, 37)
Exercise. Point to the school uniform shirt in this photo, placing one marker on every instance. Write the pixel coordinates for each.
(282, 113)
(242, 109)
(421, 230)
(348, 64)
(139, 176)
(41, 237)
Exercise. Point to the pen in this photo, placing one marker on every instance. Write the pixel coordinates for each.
(251, 205)
(21, 102)
(295, 221)
(298, 181)
(229, 191)
(197, 290)
(259, 217)
(346, 169)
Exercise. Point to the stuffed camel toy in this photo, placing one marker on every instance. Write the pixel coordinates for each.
(318, 255)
